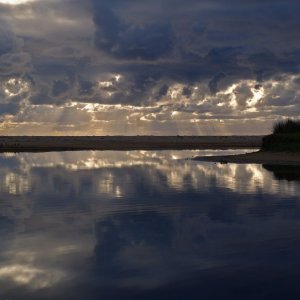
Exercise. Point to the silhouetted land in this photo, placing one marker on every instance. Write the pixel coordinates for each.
(290, 173)
(282, 142)
(72, 143)
(285, 137)
(282, 147)
(259, 157)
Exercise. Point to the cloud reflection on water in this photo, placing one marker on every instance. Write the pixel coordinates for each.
(168, 168)
(83, 224)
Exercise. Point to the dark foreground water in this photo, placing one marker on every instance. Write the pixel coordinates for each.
(147, 225)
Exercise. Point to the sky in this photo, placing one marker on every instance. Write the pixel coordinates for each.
(159, 67)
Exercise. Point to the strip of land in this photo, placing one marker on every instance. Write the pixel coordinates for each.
(72, 143)
(259, 157)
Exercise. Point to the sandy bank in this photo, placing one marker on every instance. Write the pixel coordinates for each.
(64, 143)
(259, 157)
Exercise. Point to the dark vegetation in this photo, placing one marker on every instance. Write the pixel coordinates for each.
(285, 137)
(286, 127)
(290, 173)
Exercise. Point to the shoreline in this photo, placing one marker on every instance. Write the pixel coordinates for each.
(78, 143)
(258, 157)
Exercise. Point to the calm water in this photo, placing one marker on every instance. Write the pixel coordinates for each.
(147, 225)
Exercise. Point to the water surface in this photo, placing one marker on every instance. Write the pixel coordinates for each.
(146, 225)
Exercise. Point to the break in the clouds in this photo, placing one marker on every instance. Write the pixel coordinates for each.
(155, 67)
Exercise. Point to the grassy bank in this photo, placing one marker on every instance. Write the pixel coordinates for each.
(285, 137)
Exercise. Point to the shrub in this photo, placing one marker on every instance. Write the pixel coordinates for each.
(285, 127)
(285, 137)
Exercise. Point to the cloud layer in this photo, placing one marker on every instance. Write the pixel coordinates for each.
(161, 67)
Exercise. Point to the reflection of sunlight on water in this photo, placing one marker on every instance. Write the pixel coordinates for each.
(103, 159)
(180, 174)
(108, 186)
(16, 184)
(34, 258)
(257, 174)
(56, 201)
(243, 179)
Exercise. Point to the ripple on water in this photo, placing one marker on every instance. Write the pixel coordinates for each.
(145, 225)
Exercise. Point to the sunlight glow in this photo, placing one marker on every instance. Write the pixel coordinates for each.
(175, 91)
(15, 86)
(232, 95)
(28, 275)
(174, 113)
(258, 94)
(105, 84)
(14, 2)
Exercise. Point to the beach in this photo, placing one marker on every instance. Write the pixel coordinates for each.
(73, 143)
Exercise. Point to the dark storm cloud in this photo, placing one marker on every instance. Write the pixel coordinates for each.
(213, 84)
(73, 49)
(129, 41)
(59, 87)
(6, 40)
(205, 41)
